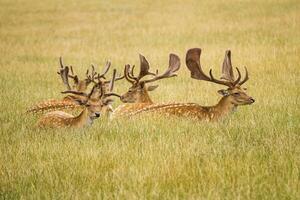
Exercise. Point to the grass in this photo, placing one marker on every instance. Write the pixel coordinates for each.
(253, 154)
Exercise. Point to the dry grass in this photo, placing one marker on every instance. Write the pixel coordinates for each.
(254, 154)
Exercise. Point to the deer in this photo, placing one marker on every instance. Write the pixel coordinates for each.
(137, 95)
(71, 100)
(232, 97)
(93, 104)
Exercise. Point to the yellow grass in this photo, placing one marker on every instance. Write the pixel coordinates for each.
(253, 154)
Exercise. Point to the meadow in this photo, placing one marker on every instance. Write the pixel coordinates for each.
(252, 154)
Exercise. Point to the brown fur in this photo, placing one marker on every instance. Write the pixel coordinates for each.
(51, 105)
(236, 96)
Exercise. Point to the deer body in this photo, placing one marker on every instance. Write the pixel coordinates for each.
(189, 110)
(224, 107)
(128, 108)
(59, 119)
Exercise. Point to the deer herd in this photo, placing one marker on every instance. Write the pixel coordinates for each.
(136, 101)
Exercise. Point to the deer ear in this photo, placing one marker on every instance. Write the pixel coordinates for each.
(152, 87)
(223, 92)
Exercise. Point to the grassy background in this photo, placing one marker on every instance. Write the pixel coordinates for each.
(253, 154)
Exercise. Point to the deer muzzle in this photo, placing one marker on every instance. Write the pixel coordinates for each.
(97, 114)
(251, 100)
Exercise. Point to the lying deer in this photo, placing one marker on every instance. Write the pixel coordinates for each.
(93, 103)
(137, 96)
(233, 96)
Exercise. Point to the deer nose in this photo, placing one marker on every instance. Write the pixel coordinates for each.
(97, 114)
(252, 100)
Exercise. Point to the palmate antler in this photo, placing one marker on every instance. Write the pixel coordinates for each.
(144, 71)
(64, 73)
(193, 64)
(174, 65)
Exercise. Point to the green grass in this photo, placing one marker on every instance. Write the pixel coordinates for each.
(253, 154)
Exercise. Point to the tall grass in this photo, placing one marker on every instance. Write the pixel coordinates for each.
(253, 154)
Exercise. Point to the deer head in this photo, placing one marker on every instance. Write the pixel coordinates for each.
(138, 92)
(234, 92)
(97, 100)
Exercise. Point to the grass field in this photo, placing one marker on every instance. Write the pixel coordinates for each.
(253, 154)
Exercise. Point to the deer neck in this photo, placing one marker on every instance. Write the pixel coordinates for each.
(145, 98)
(82, 119)
(223, 108)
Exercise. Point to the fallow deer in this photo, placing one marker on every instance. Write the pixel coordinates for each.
(93, 103)
(233, 96)
(137, 96)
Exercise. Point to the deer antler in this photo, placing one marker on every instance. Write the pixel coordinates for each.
(174, 65)
(144, 70)
(120, 77)
(64, 73)
(104, 71)
(131, 72)
(227, 72)
(112, 82)
(193, 64)
(111, 85)
(91, 77)
(127, 74)
(144, 64)
(246, 77)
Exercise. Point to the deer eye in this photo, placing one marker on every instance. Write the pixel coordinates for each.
(236, 94)
(88, 105)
